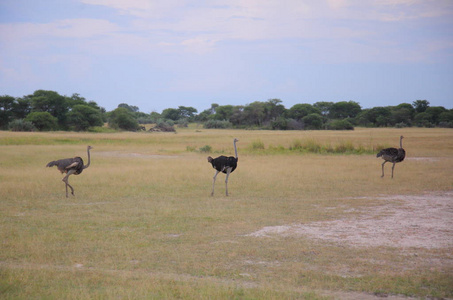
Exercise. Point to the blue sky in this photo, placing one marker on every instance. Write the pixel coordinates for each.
(168, 53)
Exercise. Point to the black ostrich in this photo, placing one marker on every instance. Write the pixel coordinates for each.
(224, 164)
(392, 155)
(70, 166)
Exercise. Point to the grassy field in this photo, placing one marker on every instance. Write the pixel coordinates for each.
(142, 223)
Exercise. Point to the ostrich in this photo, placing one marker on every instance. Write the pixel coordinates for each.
(224, 164)
(70, 166)
(392, 155)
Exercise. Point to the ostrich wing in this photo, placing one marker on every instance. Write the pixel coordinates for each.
(74, 164)
(388, 152)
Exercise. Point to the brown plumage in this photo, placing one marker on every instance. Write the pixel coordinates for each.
(225, 165)
(392, 155)
(70, 166)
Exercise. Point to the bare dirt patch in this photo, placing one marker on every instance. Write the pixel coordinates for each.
(421, 221)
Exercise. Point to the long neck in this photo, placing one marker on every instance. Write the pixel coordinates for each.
(401, 142)
(89, 160)
(235, 149)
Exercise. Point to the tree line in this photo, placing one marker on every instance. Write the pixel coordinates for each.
(47, 110)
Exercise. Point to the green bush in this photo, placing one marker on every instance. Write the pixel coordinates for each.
(340, 125)
(312, 121)
(43, 121)
(81, 117)
(121, 118)
(217, 124)
(21, 125)
(206, 149)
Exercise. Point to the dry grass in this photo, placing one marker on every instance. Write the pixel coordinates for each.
(142, 223)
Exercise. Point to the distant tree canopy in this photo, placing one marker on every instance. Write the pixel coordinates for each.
(47, 110)
(122, 118)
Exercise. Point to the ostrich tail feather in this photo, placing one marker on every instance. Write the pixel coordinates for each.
(51, 164)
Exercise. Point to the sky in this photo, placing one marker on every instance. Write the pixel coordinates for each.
(158, 54)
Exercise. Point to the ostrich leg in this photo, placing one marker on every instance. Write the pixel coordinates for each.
(213, 183)
(393, 167)
(383, 168)
(226, 180)
(65, 180)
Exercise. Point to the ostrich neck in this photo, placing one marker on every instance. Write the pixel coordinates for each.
(235, 149)
(89, 160)
(401, 143)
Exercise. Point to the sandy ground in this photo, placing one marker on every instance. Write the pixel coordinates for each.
(422, 221)
(405, 222)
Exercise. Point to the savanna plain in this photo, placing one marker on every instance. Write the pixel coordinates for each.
(308, 216)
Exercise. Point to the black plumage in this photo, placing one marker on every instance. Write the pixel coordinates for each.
(392, 155)
(70, 166)
(224, 164)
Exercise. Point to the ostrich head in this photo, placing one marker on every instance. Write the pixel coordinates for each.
(210, 159)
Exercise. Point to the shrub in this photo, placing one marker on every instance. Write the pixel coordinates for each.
(401, 125)
(340, 125)
(43, 121)
(206, 149)
(312, 121)
(164, 126)
(182, 123)
(279, 124)
(217, 124)
(81, 117)
(296, 145)
(294, 124)
(21, 125)
(121, 118)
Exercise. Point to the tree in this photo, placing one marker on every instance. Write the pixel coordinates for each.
(170, 114)
(81, 117)
(131, 108)
(21, 108)
(435, 112)
(298, 111)
(223, 112)
(323, 107)
(186, 112)
(423, 119)
(254, 113)
(312, 121)
(122, 118)
(446, 119)
(6, 110)
(401, 116)
(51, 102)
(420, 105)
(42, 120)
(274, 109)
(407, 106)
(376, 116)
(237, 118)
(344, 109)
(75, 99)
